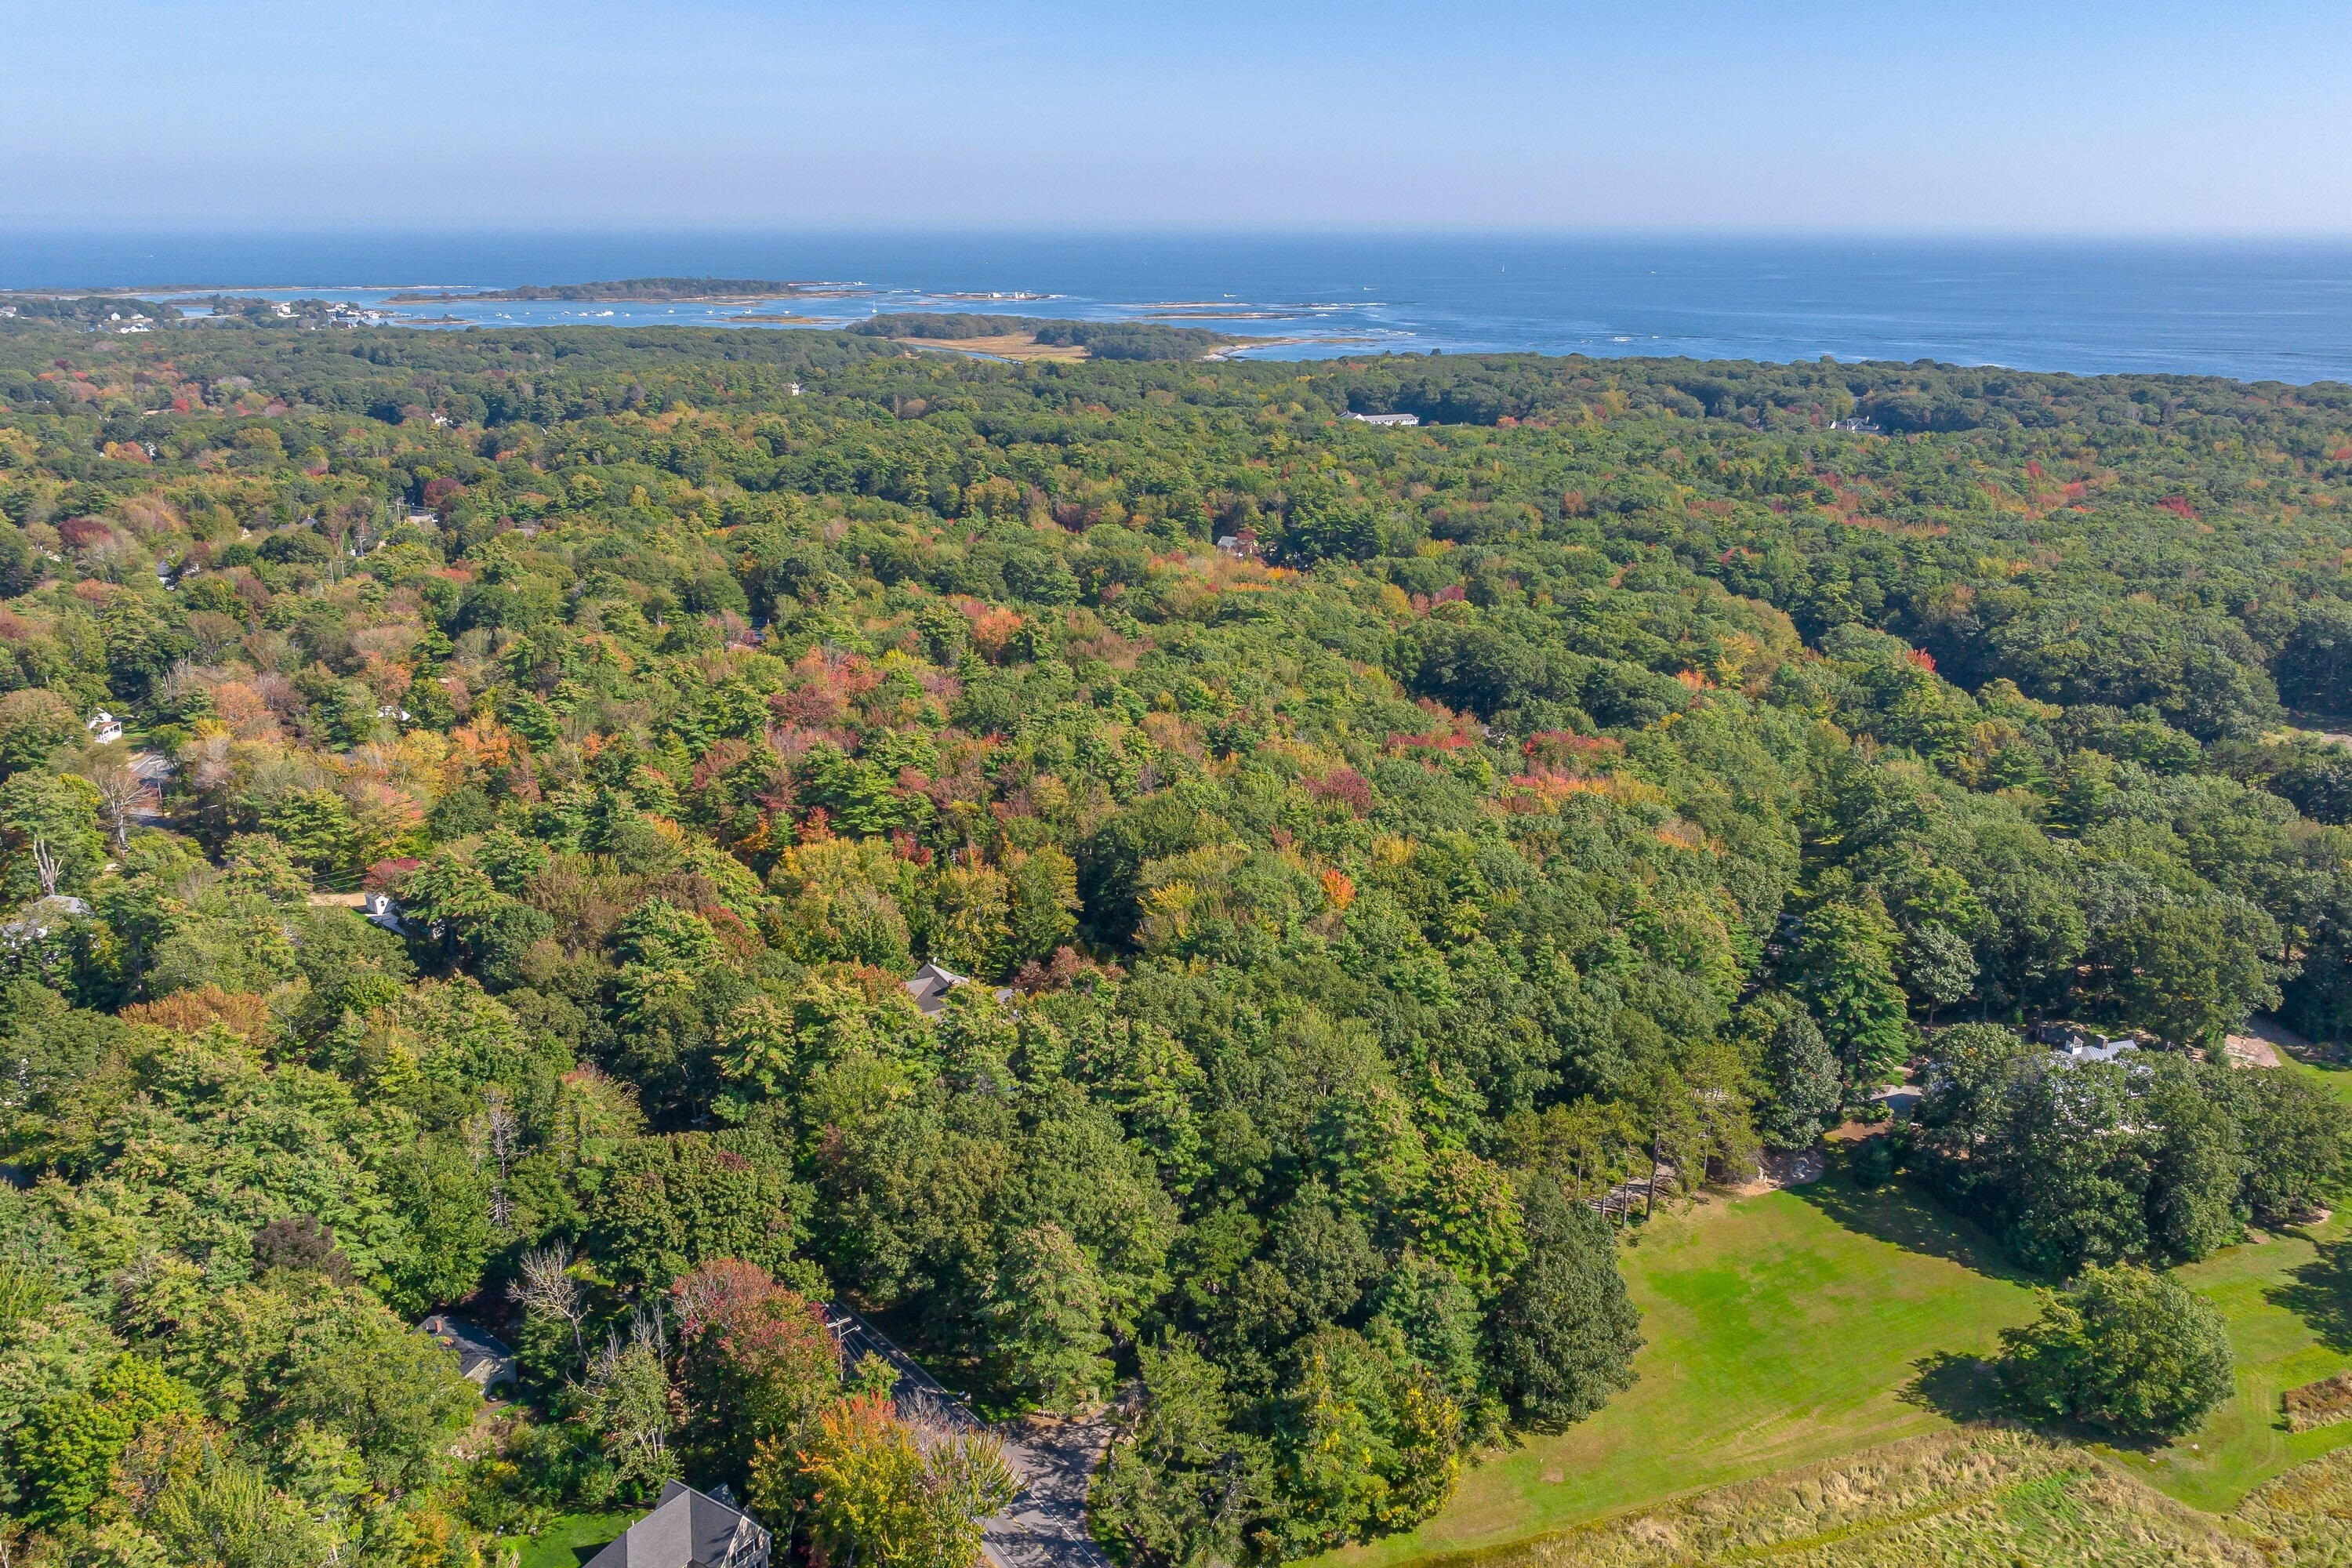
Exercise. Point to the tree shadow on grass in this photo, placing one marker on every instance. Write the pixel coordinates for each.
(1905, 1215)
(1957, 1387)
(2320, 1293)
(1966, 1390)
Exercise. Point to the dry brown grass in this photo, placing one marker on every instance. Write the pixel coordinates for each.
(1980, 1497)
(2320, 1404)
(2303, 1518)
(193, 1012)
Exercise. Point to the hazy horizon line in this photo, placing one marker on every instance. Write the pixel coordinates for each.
(27, 229)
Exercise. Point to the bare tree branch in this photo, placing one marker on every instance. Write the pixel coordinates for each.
(120, 788)
(546, 1285)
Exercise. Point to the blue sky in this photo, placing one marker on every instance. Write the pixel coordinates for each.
(1644, 115)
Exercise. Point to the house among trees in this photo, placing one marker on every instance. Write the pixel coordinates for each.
(689, 1529)
(1390, 419)
(41, 918)
(103, 727)
(930, 985)
(2084, 1045)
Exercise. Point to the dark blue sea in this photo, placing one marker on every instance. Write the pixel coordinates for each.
(2278, 311)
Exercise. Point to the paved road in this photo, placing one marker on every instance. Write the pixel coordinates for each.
(154, 773)
(1046, 1526)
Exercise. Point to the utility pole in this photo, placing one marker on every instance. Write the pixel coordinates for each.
(1651, 1207)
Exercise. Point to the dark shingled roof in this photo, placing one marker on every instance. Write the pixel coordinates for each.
(688, 1530)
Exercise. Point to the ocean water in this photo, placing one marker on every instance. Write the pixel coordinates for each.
(2278, 311)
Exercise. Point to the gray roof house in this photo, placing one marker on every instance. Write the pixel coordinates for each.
(42, 916)
(688, 1529)
(930, 985)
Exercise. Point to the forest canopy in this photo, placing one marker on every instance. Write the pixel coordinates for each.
(1631, 769)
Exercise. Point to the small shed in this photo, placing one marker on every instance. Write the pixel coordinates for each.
(482, 1360)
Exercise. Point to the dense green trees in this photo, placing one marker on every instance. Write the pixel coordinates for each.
(2123, 1349)
(1563, 1332)
(1624, 767)
(2147, 1156)
(1181, 1487)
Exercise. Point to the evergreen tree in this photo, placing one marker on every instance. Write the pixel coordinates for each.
(1048, 1307)
(1800, 1079)
(1563, 1333)
(1844, 964)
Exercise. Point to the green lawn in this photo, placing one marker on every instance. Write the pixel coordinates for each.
(1780, 1330)
(2336, 1080)
(560, 1544)
(2288, 1303)
(1799, 1326)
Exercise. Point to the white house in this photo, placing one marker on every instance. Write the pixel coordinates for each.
(103, 727)
(1386, 419)
(42, 917)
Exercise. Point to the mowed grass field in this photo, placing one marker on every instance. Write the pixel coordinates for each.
(1779, 1329)
(1975, 1497)
(571, 1539)
(1800, 1326)
(2334, 1078)
(2288, 1303)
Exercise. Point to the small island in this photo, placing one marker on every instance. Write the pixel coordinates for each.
(1030, 337)
(648, 291)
